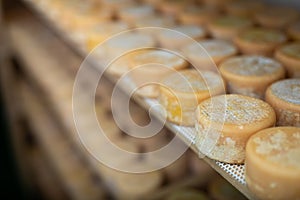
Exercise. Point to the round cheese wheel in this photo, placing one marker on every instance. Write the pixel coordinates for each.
(176, 37)
(197, 15)
(100, 32)
(251, 75)
(294, 30)
(156, 64)
(181, 92)
(131, 14)
(225, 123)
(259, 41)
(227, 27)
(171, 7)
(284, 97)
(289, 56)
(273, 163)
(209, 52)
(245, 8)
(276, 17)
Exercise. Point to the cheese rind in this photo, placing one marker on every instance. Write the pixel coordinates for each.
(274, 154)
(259, 41)
(289, 56)
(251, 75)
(225, 123)
(181, 92)
(284, 97)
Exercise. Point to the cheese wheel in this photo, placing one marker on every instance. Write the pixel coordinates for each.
(251, 75)
(227, 27)
(217, 3)
(244, 8)
(289, 56)
(259, 41)
(98, 33)
(176, 37)
(273, 163)
(184, 194)
(209, 52)
(131, 14)
(122, 44)
(225, 123)
(197, 15)
(155, 21)
(156, 65)
(276, 17)
(171, 7)
(181, 92)
(294, 30)
(284, 97)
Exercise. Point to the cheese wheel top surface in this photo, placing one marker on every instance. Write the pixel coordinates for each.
(279, 145)
(232, 22)
(251, 66)
(199, 10)
(155, 21)
(165, 58)
(189, 81)
(138, 11)
(264, 36)
(239, 110)
(131, 40)
(291, 50)
(189, 30)
(287, 90)
(244, 6)
(214, 48)
(109, 28)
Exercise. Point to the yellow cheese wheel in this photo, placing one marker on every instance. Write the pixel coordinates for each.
(284, 97)
(181, 92)
(176, 37)
(227, 27)
(245, 8)
(251, 75)
(151, 65)
(259, 41)
(210, 53)
(131, 14)
(225, 123)
(197, 15)
(289, 56)
(100, 32)
(276, 17)
(273, 163)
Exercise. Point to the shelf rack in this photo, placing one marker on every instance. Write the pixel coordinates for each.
(232, 172)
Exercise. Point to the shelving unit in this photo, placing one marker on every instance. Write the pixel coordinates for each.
(26, 43)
